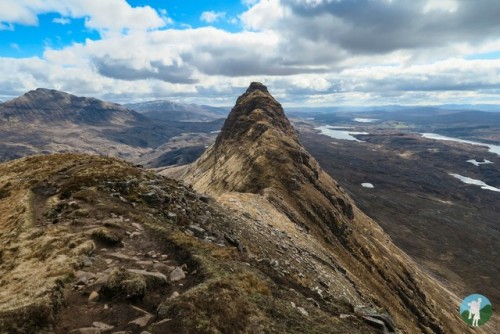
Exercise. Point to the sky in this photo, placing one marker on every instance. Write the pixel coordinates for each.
(308, 52)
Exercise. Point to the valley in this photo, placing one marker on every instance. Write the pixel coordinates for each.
(448, 225)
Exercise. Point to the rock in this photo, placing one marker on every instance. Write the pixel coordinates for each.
(83, 277)
(108, 261)
(172, 216)
(138, 226)
(102, 326)
(177, 274)
(124, 284)
(106, 236)
(152, 198)
(376, 323)
(163, 267)
(134, 234)
(144, 263)
(152, 254)
(197, 230)
(174, 295)
(157, 325)
(94, 295)
(87, 262)
(205, 199)
(344, 316)
(163, 257)
(101, 277)
(122, 256)
(303, 311)
(150, 275)
(140, 310)
(86, 330)
(142, 321)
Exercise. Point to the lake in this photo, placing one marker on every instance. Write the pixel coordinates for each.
(480, 183)
(492, 148)
(334, 132)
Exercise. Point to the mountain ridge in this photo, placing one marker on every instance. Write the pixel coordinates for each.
(258, 167)
(49, 105)
(176, 111)
(44, 121)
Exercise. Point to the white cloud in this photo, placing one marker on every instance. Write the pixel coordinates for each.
(212, 16)
(104, 16)
(307, 52)
(62, 20)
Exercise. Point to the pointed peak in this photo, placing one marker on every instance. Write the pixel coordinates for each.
(257, 86)
(255, 112)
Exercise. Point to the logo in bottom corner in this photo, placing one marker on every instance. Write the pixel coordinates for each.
(475, 310)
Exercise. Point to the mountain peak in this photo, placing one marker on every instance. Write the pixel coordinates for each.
(255, 114)
(257, 86)
(49, 105)
(259, 162)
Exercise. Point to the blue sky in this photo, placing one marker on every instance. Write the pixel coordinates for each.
(56, 31)
(308, 52)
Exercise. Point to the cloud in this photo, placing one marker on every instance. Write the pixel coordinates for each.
(61, 20)
(212, 16)
(97, 14)
(122, 69)
(309, 52)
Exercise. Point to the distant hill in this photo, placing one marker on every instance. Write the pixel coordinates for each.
(52, 106)
(182, 112)
(46, 121)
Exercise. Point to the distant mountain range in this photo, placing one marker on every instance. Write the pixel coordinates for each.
(443, 107)
(49, 121)
(182, 112)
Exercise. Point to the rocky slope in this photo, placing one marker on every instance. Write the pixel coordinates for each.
(258, 169)
(96, 245)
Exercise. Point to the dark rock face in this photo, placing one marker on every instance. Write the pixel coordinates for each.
(255, 112)
(257, 86)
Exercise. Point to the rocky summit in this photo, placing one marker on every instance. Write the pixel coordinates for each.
(258, 239)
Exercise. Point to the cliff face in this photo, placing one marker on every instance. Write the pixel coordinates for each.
(259, 169)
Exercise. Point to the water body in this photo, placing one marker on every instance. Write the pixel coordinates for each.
(333, 132)
(367, 185)
(365, 120)
(480, 183)
(492, 148)
(477, 163)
